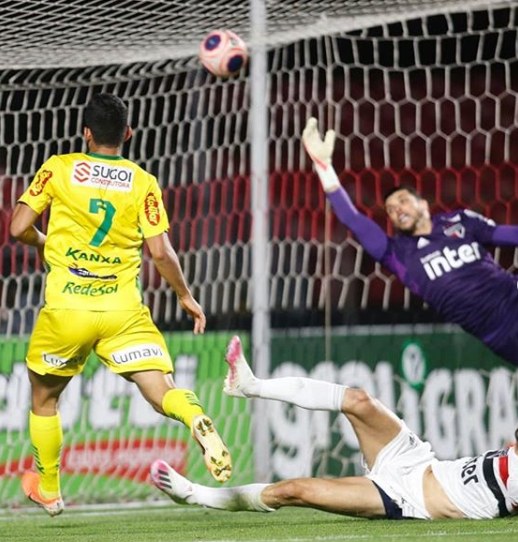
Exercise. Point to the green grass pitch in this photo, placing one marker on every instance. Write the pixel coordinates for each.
(178, 524)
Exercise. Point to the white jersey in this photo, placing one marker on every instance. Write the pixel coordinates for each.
(481, 487)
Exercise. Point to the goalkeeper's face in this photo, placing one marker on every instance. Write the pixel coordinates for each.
(408, 213)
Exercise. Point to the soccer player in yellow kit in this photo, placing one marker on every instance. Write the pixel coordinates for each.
(103, 207)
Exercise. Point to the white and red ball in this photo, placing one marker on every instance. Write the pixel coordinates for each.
(223, 53)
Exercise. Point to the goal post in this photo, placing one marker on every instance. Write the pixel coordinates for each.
(423, 93)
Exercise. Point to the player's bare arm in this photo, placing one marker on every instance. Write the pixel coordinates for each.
(22, 227)
(166, 261)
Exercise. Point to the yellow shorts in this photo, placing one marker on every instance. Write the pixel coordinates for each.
(125, 341)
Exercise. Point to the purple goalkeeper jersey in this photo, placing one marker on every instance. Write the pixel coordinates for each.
(450, 269)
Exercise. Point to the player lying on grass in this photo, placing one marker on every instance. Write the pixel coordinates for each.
(403, 478)
(440, 258)
(103, 209)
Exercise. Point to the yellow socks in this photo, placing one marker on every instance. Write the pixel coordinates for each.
(181, 405)
(47, 438)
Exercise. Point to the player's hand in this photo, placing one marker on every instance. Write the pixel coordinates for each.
(320, 150)
(193, 308)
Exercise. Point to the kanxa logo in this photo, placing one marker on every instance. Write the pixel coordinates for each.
(80, 255)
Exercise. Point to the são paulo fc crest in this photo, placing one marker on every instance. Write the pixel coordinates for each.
(458, 231)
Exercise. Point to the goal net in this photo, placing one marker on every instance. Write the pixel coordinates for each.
(423, 93)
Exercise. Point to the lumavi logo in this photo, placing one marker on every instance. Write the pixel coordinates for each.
(443, 261)
(137, 353)
(56, 361)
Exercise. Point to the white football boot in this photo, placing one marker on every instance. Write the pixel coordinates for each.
(240, 377)
(170, 482)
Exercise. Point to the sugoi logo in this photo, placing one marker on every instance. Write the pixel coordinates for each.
(100, 175)
(152, 209)
(440, 262)
(81, 171)
(42, 178)
(137, 353)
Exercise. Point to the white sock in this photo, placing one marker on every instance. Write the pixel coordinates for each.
(230, 498)
(303, 392)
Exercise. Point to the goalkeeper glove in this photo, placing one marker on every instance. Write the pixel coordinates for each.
(320, 151)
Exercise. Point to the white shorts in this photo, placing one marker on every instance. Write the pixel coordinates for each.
(399, 469)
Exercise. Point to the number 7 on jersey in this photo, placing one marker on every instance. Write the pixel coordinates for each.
(98, 205)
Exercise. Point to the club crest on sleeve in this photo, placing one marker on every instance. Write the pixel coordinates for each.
(39, 183)
(152, 209)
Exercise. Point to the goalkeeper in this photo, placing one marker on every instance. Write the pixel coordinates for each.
(103, 209)
(440, 258)
(402, 480)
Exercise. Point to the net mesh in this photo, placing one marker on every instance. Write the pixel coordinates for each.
(49, 33)
(428, 100)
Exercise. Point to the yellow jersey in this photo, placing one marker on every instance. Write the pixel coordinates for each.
(101, 210)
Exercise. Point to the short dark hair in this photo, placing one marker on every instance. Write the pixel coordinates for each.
(107, 117)
(397, 188)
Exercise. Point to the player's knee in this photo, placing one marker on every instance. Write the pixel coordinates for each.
(359, 402)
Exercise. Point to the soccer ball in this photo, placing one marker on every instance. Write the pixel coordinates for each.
(223, 53)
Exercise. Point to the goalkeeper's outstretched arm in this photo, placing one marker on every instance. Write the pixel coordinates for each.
(370, 235)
